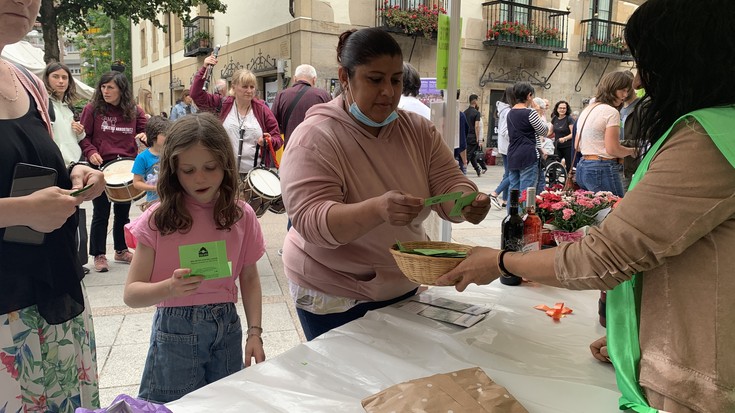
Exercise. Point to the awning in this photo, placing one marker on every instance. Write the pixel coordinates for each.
(30, 57)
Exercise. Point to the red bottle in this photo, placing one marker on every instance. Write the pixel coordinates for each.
(532, 224)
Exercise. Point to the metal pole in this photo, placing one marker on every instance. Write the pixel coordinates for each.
(451, 121)
(112, 39)
(170, 65)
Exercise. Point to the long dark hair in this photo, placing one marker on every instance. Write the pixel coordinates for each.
(127, 103)
(70, 96)
(676, 82)
(508, 96)
(207, 130)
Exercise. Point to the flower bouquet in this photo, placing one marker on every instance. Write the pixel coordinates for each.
(569, 214)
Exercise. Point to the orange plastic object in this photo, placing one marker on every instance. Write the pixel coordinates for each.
(556, 312)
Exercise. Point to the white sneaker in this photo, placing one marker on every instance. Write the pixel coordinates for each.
(496, 203)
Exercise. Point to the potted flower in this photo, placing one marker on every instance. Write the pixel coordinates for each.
(548, 36)
(595, 44)
(570, 214)
(198, 40)
(420, 20)
(118, 66)
(617, 45)
(509, 31)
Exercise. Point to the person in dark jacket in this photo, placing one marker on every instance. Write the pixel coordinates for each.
(291, 104)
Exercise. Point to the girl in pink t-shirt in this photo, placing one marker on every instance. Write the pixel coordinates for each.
(196, 337)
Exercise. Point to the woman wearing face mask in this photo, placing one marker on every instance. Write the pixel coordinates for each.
(354, 181)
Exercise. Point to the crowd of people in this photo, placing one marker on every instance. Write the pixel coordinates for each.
(354, 178)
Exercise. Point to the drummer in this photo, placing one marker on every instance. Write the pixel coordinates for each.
(248, 121)
(112, 121)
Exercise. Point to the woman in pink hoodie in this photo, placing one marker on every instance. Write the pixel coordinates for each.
(354, 180)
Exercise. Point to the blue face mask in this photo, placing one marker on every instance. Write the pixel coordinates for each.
(362, 118)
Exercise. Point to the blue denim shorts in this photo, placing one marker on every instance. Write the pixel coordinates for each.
(190, 348)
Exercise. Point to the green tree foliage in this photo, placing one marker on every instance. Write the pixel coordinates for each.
(74, 15)
(96, 48)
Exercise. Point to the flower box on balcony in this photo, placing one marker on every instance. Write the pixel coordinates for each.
(419, 21)
(554, 43)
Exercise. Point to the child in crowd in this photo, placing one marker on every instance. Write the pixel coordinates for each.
(196, 337)
(145, 167)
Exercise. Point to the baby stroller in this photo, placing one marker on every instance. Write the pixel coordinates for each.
(554, 172)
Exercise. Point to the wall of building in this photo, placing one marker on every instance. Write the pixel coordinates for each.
(312, 37)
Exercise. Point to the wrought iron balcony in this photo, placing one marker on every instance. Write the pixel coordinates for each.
(604, 38)
(518, 25)
(413, 18)
(198, 37)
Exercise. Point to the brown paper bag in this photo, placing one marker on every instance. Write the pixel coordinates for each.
(468, 391)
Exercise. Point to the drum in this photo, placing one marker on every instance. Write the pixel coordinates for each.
(261, 188)
(119, 181)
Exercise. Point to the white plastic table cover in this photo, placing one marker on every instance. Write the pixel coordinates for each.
(546, 365)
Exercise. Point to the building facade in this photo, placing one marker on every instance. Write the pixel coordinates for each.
(563, 47)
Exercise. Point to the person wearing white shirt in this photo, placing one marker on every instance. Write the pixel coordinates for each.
(411, 86)
(63, 92)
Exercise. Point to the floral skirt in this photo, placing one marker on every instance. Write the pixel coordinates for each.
(47, 368)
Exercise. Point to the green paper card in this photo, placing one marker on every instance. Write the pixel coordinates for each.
(452, 196)
(461, 203)
(208, 259)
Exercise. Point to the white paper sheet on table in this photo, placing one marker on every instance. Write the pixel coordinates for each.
(546, 365)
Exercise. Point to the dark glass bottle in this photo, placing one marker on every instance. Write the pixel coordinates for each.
(512, 234)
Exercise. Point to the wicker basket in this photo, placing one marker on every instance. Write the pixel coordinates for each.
(424, 269)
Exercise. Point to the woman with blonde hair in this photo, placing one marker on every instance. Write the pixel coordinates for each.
(248, 120)
(145, 101)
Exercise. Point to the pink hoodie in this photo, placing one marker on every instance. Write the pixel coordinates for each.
(330, 160)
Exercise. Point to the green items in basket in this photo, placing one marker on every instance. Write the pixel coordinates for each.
(438, 253)
(432, 252)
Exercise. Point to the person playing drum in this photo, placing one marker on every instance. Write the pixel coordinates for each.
(248, 121)
(111, 121)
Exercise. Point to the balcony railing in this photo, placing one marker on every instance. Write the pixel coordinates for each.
(198, 36)
(518, 25)
(409, 17)
(604, 38)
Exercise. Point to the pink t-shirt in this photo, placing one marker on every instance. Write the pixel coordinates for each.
(244, 241)
(601, 117)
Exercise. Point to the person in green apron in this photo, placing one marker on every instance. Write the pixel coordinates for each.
(667, 252)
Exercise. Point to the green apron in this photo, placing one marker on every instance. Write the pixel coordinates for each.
(623, 302)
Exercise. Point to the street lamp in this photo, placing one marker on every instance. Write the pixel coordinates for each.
(88, 65)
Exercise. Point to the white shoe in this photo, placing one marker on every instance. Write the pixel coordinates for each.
(496, 203)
